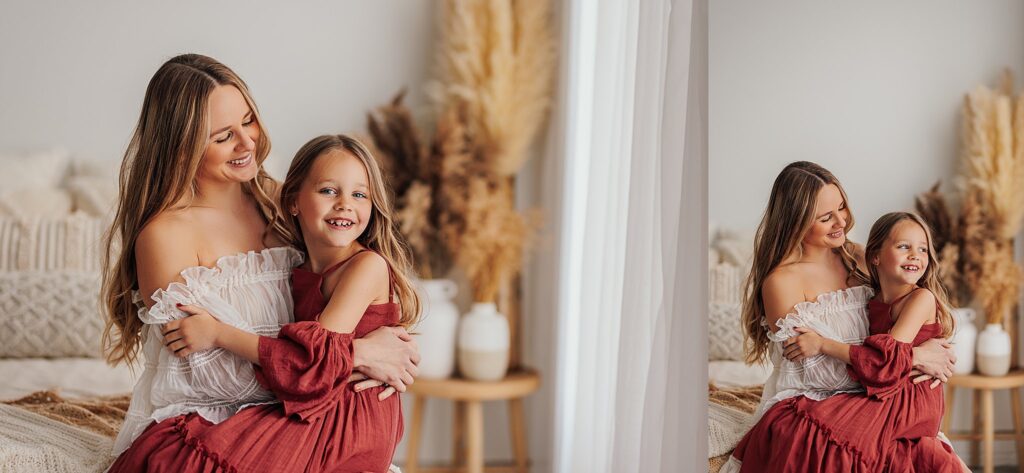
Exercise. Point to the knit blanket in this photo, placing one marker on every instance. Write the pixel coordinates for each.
(730, 415)
(45, 432)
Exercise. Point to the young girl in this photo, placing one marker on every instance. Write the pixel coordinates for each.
(910, 304)
(354, 282)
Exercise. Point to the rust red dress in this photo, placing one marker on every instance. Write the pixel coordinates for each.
(890, 428)
(321, 424)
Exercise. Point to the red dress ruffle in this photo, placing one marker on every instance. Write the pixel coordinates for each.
(321, 423)
(891, 428)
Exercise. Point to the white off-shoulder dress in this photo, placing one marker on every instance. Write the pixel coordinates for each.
(839, 315)
(251, 291)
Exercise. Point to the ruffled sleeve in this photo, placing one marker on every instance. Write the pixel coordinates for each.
(306, 367)
(881, 364)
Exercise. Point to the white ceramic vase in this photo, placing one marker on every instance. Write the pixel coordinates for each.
(437, 329)
(963, 340)
(483, 343)
(994, 351)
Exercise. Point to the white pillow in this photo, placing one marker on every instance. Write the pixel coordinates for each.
(35, 202)
(94, 196)
(93, 187)
(725, 334)
(50, 314)
(36, 170)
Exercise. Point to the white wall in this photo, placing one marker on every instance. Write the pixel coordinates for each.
(74, 74)
(870, 90)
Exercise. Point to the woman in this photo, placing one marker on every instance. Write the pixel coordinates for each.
(195, 224)
(806, 274)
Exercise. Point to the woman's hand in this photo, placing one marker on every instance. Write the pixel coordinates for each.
(364, 382)
(920, 377)
(388, 354)
(194, 333)
(805, 345)
(935, 358)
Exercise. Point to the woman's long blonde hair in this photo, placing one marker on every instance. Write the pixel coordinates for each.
(381, 234)
(786, 220)
(930, 280)
(158, 171)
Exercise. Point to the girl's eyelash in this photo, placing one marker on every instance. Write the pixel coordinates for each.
(228, 137)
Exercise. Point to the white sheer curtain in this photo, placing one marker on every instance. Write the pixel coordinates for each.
(631, 382)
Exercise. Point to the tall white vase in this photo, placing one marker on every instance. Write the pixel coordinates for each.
(963, 340)
(994, 351)
(437, 328)
(483, 343)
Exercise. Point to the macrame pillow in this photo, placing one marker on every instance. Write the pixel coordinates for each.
(50, 314)
(49, 287)
(725, 335)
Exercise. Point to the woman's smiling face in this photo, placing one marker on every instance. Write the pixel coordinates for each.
(831, 216)
(229, 155)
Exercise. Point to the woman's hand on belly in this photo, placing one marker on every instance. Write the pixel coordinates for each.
(935, 358)
(363, 382)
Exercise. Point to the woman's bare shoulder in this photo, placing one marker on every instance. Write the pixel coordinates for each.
(781, 291)
(166, 245)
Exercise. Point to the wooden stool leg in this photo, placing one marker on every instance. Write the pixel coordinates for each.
(458, 437)
(412, 454)
(515, 420)
(475, 437)
(976, 427)
(947, 417)
(1018, 427)
(988, 425)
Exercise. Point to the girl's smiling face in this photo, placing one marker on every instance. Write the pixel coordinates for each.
(903, 257)
(334, 202)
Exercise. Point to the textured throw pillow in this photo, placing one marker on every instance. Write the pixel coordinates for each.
(49, 286)
(725, 283)
(50, 314)
(67, 243)
(725, 335)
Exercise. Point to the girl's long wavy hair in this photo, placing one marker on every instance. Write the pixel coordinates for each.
(381, 234)
(930, 280)
(158, 172)
(786, 220)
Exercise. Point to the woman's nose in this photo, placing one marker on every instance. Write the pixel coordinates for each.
(247, 142)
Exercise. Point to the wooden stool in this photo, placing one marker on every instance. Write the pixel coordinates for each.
(983, 427)
(469, 417)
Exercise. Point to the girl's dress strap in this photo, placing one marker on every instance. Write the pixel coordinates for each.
(341, 263)
(900, 298)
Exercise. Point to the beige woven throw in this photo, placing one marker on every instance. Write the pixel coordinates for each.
(45, 432)
(101, 415)
(740, 399)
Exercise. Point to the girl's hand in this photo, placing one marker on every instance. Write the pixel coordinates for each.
(194, 333)
(920, 377)
(364, 382)
(805, 345)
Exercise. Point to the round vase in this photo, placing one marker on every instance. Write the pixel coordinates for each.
(437, 329)
(483, 343)
(963, 340)
(993, 351)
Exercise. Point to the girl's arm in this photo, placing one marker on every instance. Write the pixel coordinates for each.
(363, 281)
(918, 310)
